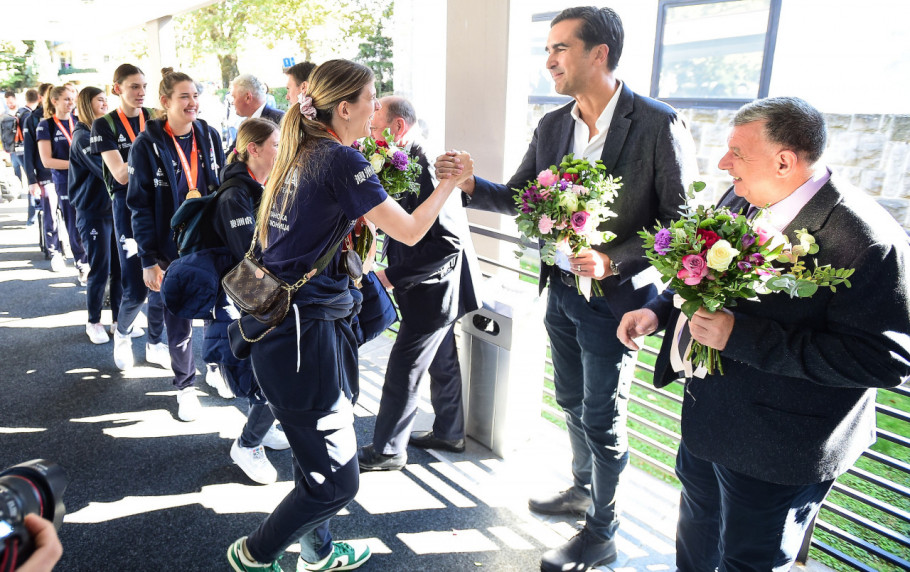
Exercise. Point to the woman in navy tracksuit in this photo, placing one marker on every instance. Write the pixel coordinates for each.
(248, 167)
(175, 158)
(54, 134)
(307, 366)
(94, 217)
(112, 138)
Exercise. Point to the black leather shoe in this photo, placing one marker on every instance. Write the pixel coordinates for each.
(370, 460)
(573, 500)
(427, 440)
(582, 551)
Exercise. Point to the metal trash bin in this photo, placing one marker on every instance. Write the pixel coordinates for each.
(502, 355)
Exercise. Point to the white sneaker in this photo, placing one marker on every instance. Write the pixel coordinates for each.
(275, 439)
(123, 351)
(188, 406)
(254, 463)
(96, 333)
(135, 331)
(58, 263)
(216, 381)
(158, 354)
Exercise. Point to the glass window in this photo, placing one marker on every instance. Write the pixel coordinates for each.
(714, 53)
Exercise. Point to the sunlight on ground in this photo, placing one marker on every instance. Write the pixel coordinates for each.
(10, 430)
(447, 541)
(6, 264)
(226, 421)
(393, 491)
(74, 318)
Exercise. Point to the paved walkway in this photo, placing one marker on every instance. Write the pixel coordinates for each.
(147, 488)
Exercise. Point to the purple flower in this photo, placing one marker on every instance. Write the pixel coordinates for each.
(744, 266)
(662, 241)
(525, 207)
(400, 160)
(756, 259)
(563, 185)
(579, 222)
(747, 240)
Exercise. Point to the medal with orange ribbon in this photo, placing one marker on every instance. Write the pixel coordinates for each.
(68, 135)
(190, 168)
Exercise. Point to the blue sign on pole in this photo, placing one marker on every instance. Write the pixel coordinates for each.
(288, 62)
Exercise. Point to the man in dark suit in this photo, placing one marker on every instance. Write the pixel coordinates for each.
(433, 283)
(647, 144)
(762, 444)
(249, 99)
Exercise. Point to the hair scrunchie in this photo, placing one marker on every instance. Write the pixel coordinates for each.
(306, 106)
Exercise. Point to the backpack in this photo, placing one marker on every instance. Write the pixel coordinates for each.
(192, 223)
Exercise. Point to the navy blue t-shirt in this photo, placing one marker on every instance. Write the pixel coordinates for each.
(60, 147)
(105, 139)
(186, 144)
(340, 187)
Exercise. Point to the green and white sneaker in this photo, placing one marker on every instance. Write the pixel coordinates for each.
(345, 556)
(241, 563)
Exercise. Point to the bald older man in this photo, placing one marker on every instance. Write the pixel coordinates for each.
(433, 283)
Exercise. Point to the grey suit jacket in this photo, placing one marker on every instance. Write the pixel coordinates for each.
(796, 405)
(649, 146)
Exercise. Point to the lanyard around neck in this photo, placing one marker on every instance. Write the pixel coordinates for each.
(191, 169)
(128, 127)
(254, 176)
(69, 136)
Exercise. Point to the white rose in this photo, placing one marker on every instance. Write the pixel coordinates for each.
(721, 255)
(377, 161)
(569, 200)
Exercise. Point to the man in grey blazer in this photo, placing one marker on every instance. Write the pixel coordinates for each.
(762, 444)
(647, 144)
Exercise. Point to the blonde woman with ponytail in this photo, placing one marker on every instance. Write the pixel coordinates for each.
(307, 366)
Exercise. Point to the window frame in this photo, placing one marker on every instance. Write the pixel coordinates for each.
(714, 103)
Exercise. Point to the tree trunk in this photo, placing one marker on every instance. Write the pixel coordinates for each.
(229, 69)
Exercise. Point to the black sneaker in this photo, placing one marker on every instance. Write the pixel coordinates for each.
(582, 551)
(427, 440)
(370, 460)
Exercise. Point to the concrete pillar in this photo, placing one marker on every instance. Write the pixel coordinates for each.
(162, 52)
(486, 98)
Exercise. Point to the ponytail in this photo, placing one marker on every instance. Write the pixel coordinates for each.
(52, 94)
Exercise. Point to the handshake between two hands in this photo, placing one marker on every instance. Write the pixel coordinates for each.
(457, 165)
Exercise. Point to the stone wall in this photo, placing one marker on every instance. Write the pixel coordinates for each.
(870, 151)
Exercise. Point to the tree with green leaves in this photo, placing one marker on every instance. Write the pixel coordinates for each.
(218, 28)
(16, 71)
(376, 53)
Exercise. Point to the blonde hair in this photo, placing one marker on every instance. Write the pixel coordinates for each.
(330, 83)
(255, 130)
(169, 81)
(84, 105)
(51, 94)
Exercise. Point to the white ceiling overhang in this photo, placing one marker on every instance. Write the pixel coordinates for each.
(66, 20)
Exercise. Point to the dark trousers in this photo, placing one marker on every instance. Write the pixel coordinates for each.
(312, 400)
(134, 289)
(49, 204)
(736, 523)
(592, 387)
(72, 230)
(180, 347)
(413, 355)
(97, 232)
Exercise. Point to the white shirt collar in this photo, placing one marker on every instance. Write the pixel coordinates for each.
(583, 144)
(258, 112)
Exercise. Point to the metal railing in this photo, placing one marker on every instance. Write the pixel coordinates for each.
(864, 522)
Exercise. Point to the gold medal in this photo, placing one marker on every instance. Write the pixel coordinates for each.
(194, 194)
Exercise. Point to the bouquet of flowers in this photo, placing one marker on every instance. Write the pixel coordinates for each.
(712, 256)
(396, 170)
(563, 208)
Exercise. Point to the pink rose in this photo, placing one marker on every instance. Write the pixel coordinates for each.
(693, 270)
(579, 190)
(545, 225)
(546, 178)
(763, 234)
(580, 222)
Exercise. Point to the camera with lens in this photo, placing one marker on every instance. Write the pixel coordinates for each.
(34, 487)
